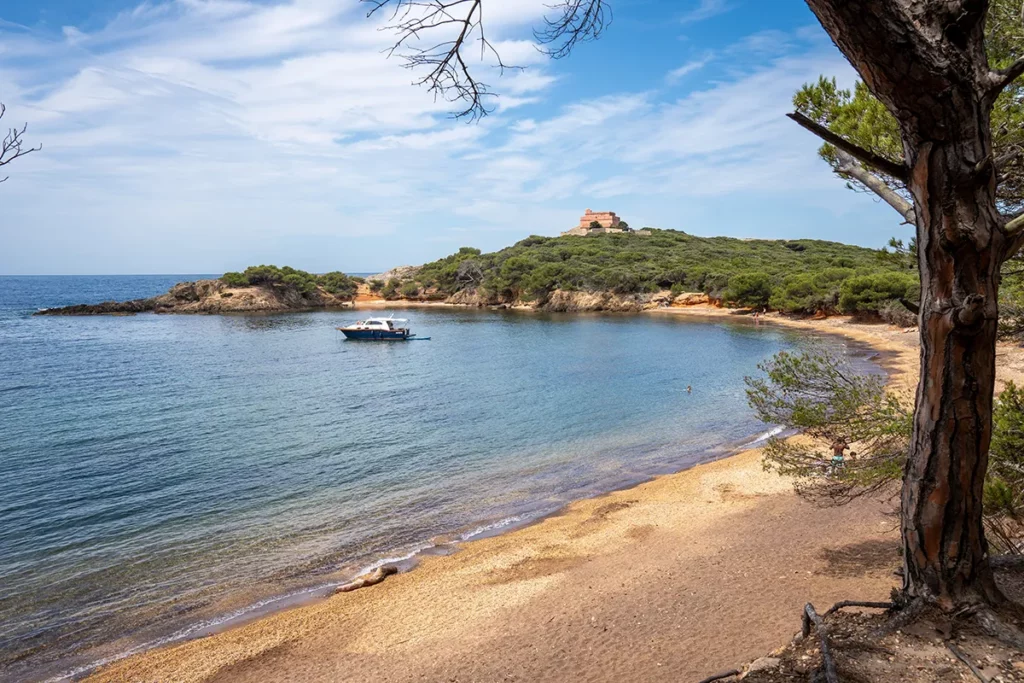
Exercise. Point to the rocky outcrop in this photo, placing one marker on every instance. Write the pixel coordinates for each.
(692, 299)
(213, 296)
(400, 273)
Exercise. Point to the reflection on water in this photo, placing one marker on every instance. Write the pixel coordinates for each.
(163, 471)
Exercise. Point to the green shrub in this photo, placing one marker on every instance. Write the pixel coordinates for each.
(339, 284)
(409, 289)
(234, 279)
(678, 289)
(749, 289)
(390, 290)
(376, 285)
(810, 292)
(868, 293)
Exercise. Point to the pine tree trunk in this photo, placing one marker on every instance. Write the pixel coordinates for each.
(926, 61)
(959, 236)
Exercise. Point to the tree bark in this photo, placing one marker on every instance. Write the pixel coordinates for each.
(959, 240)
(925, 59)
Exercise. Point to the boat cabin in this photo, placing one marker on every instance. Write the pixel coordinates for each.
(379, 324)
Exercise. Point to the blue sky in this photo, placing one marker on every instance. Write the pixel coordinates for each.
(198, 136)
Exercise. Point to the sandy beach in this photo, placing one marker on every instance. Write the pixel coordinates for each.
(671, 580)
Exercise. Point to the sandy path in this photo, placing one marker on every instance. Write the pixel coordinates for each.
(669, 581)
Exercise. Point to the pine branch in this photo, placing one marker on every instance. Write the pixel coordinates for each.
(882, 164)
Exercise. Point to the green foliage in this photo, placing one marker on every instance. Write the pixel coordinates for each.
(409, 289)
(822, 396)
(810, 292)
(390, 290)
(339, 284)
(865, 293)
(234, 279)
(336, 282)
(860, 118)
(1004, 485)
(749, 289)
(376, 285)
(629, 263)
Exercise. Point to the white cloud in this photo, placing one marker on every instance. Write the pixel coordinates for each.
(677, 74)
(705, 9)
(210, 133)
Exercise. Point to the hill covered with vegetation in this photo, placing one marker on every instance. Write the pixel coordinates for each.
(799, 276)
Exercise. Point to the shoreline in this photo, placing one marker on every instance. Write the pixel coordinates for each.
(896, 359)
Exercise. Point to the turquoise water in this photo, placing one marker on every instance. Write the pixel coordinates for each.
(164, 475)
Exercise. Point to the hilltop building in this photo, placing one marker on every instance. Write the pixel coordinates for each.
(597, 222)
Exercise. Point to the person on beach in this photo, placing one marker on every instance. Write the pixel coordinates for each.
(839, 446)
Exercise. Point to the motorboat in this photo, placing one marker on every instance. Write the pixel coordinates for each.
(378, 329)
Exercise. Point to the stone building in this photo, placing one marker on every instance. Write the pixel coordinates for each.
(606, 221)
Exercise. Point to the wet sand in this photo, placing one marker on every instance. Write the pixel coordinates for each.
(671, 580)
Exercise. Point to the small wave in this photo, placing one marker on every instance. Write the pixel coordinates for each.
(377, 564)
(181, 634)
(774, 431)
(493, 526)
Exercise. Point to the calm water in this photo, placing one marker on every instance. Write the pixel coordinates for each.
(164, 474)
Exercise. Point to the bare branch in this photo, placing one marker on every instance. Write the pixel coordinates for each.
(452, 27)
(459, 25)
(897, 171)
(13, 145)
(578, 21)
(848, 166)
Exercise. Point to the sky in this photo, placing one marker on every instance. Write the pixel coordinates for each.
(200, 136)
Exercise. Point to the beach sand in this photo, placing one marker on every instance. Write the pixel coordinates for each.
(672, 580)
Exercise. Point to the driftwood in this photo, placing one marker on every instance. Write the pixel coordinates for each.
(810, 617)
(371, 579)
(724, 674)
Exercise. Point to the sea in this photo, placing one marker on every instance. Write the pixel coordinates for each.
(167, 476)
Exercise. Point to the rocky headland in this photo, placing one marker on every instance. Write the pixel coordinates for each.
(212, 297)
(216, 296)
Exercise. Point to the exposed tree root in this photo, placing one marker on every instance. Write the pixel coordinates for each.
(991, 624)
(963, 658)
(724, 674)
(828, 663)
(857, 603)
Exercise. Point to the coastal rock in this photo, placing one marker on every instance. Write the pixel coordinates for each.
(397, 273)
(563, 301)
(104, 308)
(691, 299)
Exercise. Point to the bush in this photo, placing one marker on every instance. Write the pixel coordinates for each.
(678, 289)
(749, 289)
(234, 279)
(339, 284)
(1004, 485)
(895, 313)
(868, 293)
(390, 290)
(409, 290)
(376, 285)
(810, 292)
